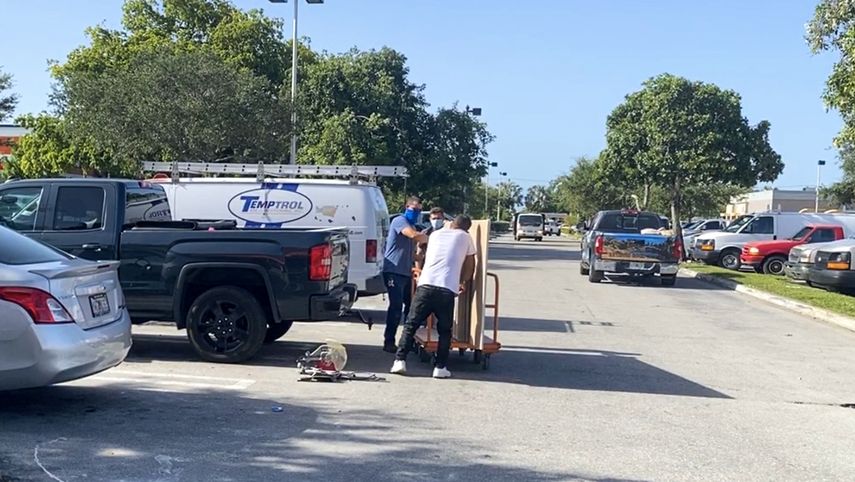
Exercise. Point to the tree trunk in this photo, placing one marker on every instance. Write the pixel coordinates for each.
(676, 204)
(646, 197)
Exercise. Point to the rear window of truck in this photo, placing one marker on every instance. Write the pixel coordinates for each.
(628, 223)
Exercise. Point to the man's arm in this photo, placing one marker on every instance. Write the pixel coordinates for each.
(468, 271)
(411, 233)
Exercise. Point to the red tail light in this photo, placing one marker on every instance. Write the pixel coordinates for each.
(371, 251)
(41, 306)
(598, 245)
(678, 249)
(320, 263)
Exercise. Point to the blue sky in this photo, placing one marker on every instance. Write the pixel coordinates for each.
(546, 73)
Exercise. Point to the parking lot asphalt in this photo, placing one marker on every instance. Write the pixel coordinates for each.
(617, 381)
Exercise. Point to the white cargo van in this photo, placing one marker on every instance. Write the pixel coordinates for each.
(725, 247)
(356, 204)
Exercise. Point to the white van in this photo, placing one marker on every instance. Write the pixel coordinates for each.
(294, 202)
(529, 225)
(725, 247)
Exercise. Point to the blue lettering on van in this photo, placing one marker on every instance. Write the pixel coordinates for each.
(268, 208)
(253, 202)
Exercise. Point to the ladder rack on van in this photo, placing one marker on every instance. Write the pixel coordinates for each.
(262, 170)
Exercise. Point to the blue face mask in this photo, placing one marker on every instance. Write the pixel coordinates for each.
(411, 214)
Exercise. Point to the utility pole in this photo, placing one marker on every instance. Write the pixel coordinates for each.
(819, 165)
(293, 154)
(292, 159)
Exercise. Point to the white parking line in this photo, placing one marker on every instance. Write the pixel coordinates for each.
(175, 379)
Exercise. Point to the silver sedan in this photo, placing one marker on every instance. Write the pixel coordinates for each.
(61, 318)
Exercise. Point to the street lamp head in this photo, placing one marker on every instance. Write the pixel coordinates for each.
(503, 173)
(820, 162)
(476, 111)
(493, 164)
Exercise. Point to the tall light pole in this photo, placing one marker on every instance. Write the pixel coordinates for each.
(819, 165)
(475, 111)
(293, 157)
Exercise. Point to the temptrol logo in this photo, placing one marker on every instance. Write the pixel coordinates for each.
(273, 204)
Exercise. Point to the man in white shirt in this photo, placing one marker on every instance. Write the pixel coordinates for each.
(449, 261)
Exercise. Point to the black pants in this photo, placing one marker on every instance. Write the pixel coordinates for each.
(399, 288)
(429, 300)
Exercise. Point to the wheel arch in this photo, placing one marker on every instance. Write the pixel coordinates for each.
(196, 278)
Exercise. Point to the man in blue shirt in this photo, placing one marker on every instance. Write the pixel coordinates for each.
(398, 265)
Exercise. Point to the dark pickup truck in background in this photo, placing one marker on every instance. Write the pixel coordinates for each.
(232, 289)
(629, 242)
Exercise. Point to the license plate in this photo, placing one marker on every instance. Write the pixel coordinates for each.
(100, 305)
(606, 266)
(637, 266)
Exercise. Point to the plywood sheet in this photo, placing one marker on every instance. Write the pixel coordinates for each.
(480, 232)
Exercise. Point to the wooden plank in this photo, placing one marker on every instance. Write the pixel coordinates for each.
(480, 232)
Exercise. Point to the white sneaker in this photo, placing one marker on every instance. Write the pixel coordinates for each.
(441, 373)
(399, 367)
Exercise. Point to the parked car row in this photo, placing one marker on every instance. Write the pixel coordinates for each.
(725, 248)
(816, 248)
(82, 259)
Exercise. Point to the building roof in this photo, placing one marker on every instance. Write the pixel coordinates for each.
(12, 130)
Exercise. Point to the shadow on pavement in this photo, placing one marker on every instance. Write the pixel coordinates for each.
(534, 325)
(533, 252)
(565, 369)
(122, 433)
(683, 283)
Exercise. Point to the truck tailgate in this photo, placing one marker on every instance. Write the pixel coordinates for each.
(638, 247)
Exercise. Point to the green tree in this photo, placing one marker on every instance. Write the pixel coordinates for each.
(244, 39)
(175, 105)
(833, 29)
(585, 190)
(843, 192)
(538, 199)
(361, 108)
(7, 101)
(49, 149)
(509, 196)
(678, 133)
(203, 80)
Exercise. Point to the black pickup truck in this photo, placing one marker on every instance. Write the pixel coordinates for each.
(232, 289)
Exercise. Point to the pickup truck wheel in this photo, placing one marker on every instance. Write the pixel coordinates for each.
(595, 276)
(583, 270)
(668, 279)
(730, 259)
(226, 324)
(774, 265)
(276, 331)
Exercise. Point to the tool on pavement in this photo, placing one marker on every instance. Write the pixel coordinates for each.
(327, 362)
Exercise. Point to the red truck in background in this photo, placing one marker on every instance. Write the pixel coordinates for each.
(769, 257)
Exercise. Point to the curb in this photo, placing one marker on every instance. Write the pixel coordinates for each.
(794, 306)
